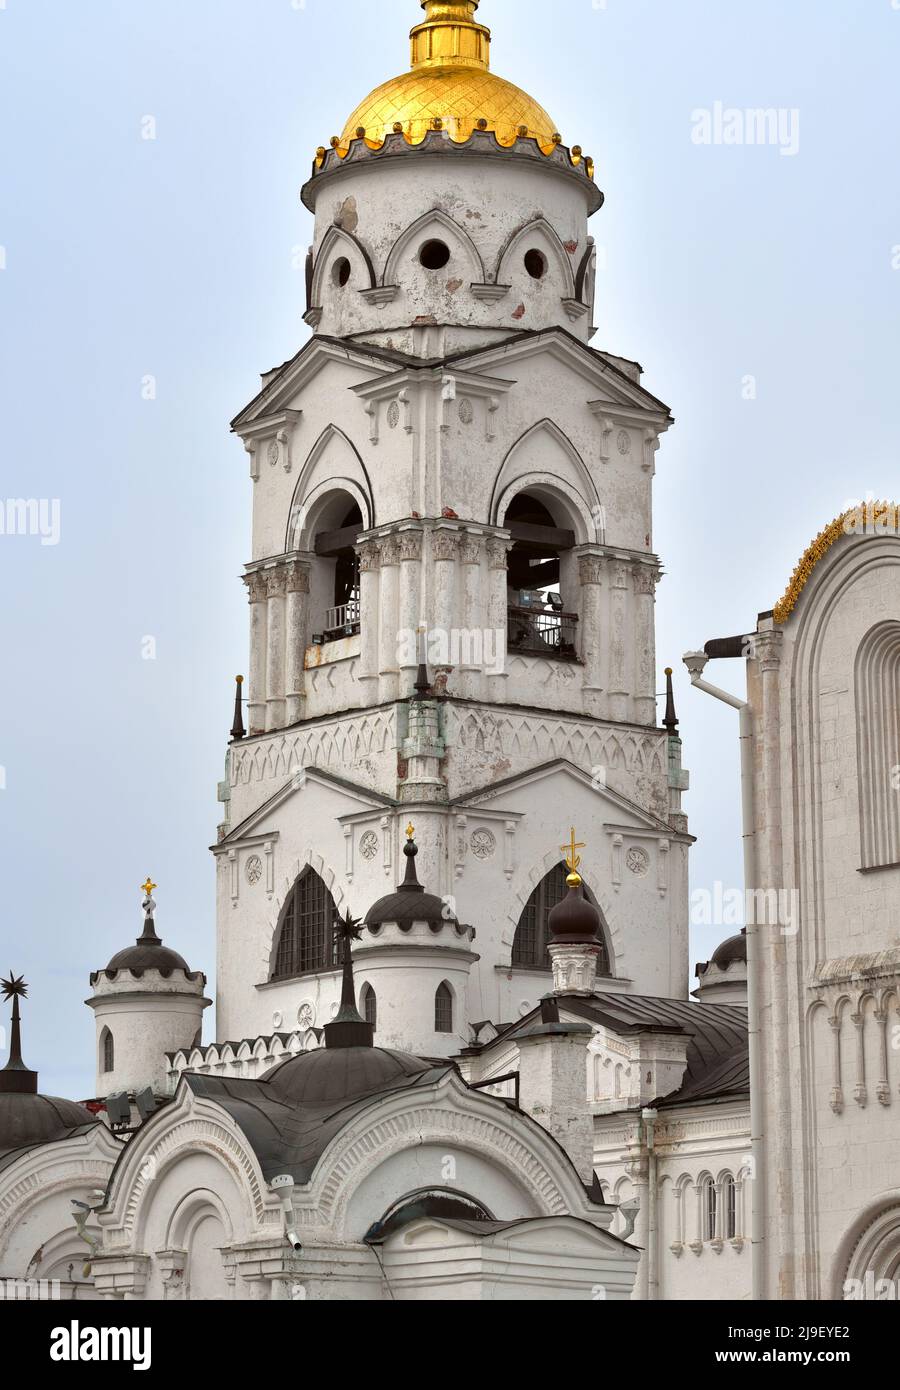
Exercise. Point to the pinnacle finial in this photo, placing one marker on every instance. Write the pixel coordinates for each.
(148, 887)
(671, 720)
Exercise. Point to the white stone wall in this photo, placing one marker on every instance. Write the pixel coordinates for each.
(830, 985)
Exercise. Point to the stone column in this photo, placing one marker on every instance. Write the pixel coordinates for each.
(473, 652)
(445, 554)
(369, 586)
(388, 669)
(498, 548)
(296, 618)
(410, 607)
(644, 577)
(276, 580)
(620, 637)
(258, 594)
(592, 639)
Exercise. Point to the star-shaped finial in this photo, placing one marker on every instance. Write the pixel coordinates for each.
(15, 987)
(348, 928)
(148, 887)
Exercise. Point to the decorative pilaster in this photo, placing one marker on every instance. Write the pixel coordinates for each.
(475, 651)
(258, 594)
(388, 669)
(837, 1091)
(445, 554)
(590, 575)
(296, 619)
(369, 585)
(498, 548)
(644, 578)
(860, 1090)
(410, 542)
(276, 584)
(618, 641)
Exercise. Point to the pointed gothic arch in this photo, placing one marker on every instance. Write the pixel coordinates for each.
(540, 235)
(434, 223)
(334, 464)
(107, 1052)
(305, 941)
(338, 243)
(544, 460)
(529, 950)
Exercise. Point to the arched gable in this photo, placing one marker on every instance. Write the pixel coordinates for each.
(541, 236)
(338, 243)
(545, 461)
(333, 465)
(436, 225)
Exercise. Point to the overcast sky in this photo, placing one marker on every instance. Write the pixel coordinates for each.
(757, 285)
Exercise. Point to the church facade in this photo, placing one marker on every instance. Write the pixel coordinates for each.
(455, 1050)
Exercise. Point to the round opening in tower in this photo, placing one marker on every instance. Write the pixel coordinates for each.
(341, 272)
(536, 264)
(434, 255)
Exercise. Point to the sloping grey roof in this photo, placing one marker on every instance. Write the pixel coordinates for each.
(290, 1138)
(717, 1055)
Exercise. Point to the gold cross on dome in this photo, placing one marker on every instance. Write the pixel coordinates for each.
(149, 886)
(573, 858)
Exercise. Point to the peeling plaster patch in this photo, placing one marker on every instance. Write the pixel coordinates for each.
(571, 247)
(347, 216)
(428, 319)
(501, 768)
(520, 312)
(453, 285)
(470, 213)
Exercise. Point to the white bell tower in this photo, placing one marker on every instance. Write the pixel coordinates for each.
(453, 579)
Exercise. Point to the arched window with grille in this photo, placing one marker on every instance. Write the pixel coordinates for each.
(443, 1009)
(533, 932)
(369, 1001)
(709, 1207)
(729, 1205)
(305, 941)
(107, 1051)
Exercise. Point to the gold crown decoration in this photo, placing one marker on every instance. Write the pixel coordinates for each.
(451, 89)
(573, 859)
(867, 519)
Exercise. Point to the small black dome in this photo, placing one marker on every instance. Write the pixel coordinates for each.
(27, 1120)
(735, 948)
(341, 1073)
(411, 903)
(147, 956)
(148, 952)
(574, 919)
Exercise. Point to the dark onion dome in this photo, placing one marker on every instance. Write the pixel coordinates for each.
(340, 1073)
(148, 953)
(29, 1120)
(26, 1118)
(734, 949)
(411, 903)
(574, 919)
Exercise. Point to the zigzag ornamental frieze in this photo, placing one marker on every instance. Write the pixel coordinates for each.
(396, 1132)
(336, 747)
(537, 739)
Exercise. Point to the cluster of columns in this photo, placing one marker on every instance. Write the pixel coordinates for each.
(279, 604)
(617, 641)
(452, 580)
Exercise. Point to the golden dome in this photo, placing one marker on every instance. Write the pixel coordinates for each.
(449, 87)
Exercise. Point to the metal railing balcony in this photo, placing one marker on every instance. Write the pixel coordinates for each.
(542, 630)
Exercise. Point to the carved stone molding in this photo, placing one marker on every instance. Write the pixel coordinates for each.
(369, 557)
(445, 545)
(498, 552)
(645, 580)
(257, 586)
(297, 577)
(590, 569)
(276, 582)
(410, 543)
(471, 549)
(390, 552)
